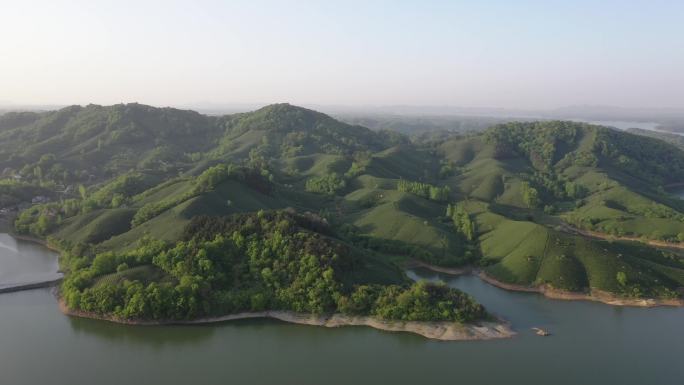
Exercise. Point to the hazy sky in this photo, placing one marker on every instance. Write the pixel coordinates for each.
(517, 54)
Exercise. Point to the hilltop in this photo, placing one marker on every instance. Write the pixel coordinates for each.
(535, 204)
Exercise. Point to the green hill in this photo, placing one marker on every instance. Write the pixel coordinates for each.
(541, 203)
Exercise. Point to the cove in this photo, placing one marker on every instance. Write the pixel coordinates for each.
(24, 262)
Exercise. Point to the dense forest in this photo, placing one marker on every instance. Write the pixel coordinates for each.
(250, 262)
(169, 214)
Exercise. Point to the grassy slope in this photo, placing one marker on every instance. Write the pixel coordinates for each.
(522, 252)
(111, 228)
(399, 216)
(516, 249)
(531, 254)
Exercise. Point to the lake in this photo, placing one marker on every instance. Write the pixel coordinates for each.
(622, 124)
(25, 262)
(626, 125)
(592, 343)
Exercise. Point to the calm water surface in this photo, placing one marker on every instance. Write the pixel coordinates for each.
(592, 344)
(23, 262)
(625, 125)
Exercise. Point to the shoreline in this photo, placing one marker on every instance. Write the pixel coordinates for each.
(413, 263)
(608, 237)
(549, 292)
(11, 288)
(442, 331)
(29, 238)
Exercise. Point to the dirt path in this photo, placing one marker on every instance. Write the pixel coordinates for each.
(439, 269)
(550, 292)
(609, 237)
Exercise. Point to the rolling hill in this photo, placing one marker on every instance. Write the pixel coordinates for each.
(565, 205)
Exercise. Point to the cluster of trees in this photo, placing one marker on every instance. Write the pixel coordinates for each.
(537, 141)
(425, 190)
(420, 302)
(48, 171)
(446, 169)
(530, 196)
(333, 182)
(13, 192)
(463, 223)
(118, 192)
(360, 162)
(127, 190)
(450, 255)
(152, 209)
(645, 208)
(545, 144)
(257, 178)
(553, 187)
(38, 219)
(328, 184)
(251, 262)
(541, 188)
(581, 158)
(42, 218)
(617, 229)
(205, 182)
(646, 158)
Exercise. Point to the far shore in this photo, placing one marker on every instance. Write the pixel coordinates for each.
(54, 281)
(30, 238)
(550, 292)
(443, 331)
(10, 288)
(6, 226)
(610, 237)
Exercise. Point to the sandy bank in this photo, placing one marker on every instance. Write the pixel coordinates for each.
(594, 295)
(39, 241)
(439, 269)
(53, 281)
(445, 331)
(550, 292)
(609, 237)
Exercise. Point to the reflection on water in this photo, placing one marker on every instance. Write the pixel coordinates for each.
(8, 247)
(626, 125)
(622, 124)
(591, 344)
(23, 262)
(152, 336)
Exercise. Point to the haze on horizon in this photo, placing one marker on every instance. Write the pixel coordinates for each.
(524, 54)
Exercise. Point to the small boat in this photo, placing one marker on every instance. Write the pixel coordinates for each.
(541, 332)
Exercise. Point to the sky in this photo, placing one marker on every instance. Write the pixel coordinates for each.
(502, 54)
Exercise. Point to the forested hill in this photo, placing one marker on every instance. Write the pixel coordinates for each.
(92, 143)
(559, 145)
(564, 205)
(669, 137)
(101, 140)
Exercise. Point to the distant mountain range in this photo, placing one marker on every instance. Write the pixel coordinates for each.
(585, 112)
